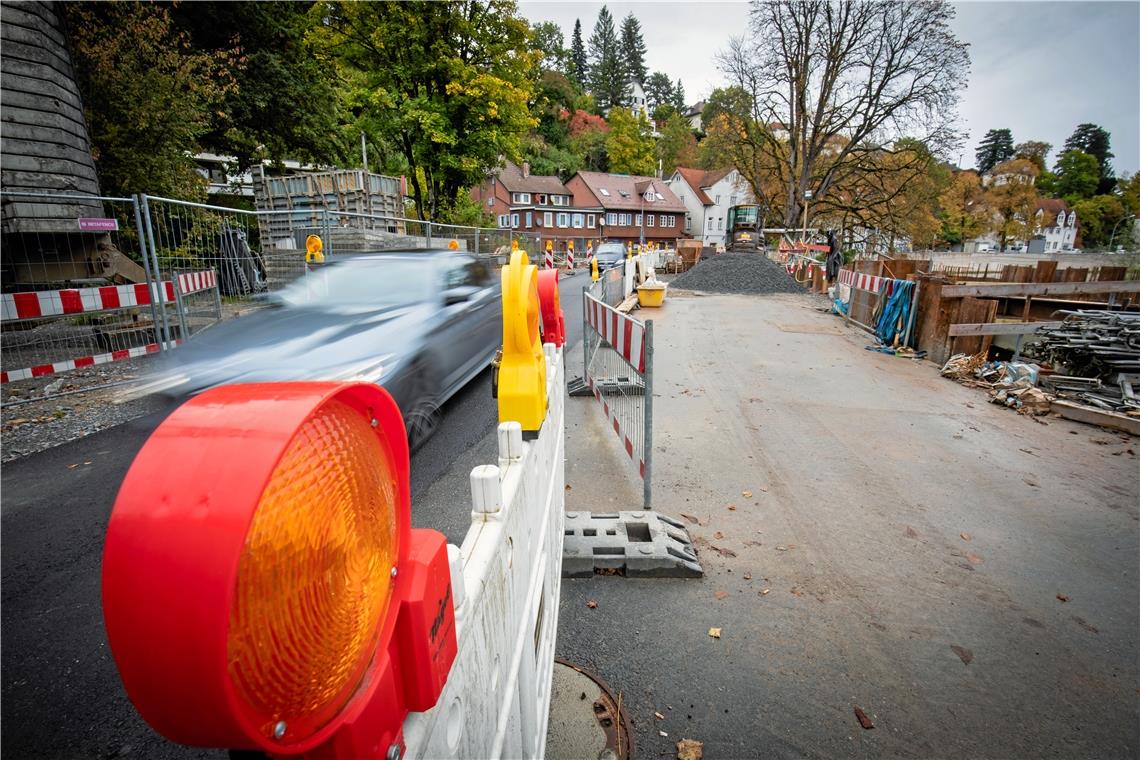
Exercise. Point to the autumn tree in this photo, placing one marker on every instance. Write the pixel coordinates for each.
(1011, 200)
(633, 49)
(995, 147)
(628, 145)
(448, 83)
(1095, 141)
(148, 96)
(735, 101)
(1104, 222)
(1033, 150)
(1077, 176)
(577, 66)
(962, 208)
(608, 82)
(588, 139)
(677, 146)
(843, 79)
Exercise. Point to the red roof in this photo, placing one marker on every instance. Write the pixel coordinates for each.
(698, 179)
(625, 191)
(512, 178)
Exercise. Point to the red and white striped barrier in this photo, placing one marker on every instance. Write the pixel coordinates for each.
(55, 368)
(549, 259)
(862, 281)
(611, 415)
(53, 303)
(570, 257)
(626, 335)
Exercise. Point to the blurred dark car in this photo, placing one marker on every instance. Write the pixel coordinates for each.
(609, 255)
(419, 323)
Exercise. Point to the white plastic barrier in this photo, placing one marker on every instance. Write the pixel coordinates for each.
(506, 581)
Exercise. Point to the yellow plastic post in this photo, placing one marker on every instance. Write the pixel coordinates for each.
(594, 269)
(629, 249)
(522, 373)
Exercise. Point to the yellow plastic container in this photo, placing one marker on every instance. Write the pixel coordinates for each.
(651, 294)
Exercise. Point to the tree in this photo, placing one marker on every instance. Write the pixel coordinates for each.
(577, 67)
(677, 145)
(964, 215)
(995, 147)
(633, 49)
(1129, 186)
(608, 81)
(1033, 150)
(548, 39)
(1077, 176)
(731, 100)
(843, 79)
(658, 90)
(148, 96)
(268, 114)
(1012, 201)
(588, 140)
(1099, 217)
(679, 95)
(628, 145)
(1094, 140)
(448, 83)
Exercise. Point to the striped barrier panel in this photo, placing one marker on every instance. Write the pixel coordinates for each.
(55, 368)
(41, 304)
(862, 281)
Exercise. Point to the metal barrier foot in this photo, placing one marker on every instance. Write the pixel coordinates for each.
(638, 544)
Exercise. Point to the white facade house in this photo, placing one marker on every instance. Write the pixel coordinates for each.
(637, 102)
(707, 197)
(1061, 235)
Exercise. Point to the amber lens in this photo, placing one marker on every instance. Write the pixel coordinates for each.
(314, 579)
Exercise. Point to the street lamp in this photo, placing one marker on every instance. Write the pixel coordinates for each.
(1121, 219)
(807, 198)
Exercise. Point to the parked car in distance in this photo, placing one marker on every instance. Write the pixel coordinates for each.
(421, 324)
(609, 254)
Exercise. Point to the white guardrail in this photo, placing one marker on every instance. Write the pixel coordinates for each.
(506, 579)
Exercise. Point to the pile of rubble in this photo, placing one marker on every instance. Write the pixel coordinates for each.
(1012, 384)
(1100, 352)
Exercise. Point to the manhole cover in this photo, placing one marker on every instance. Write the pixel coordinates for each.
(586, 719)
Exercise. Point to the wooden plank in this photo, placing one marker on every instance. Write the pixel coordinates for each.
(1001, 328)
(1045, 270)
(1093, 416)
(1022, 289)
(969, 310)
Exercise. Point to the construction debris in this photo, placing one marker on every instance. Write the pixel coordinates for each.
(1100, 351)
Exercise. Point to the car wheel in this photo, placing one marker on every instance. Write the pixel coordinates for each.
(423, 418)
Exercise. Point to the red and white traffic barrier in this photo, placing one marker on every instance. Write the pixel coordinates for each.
(861, 281)
(611, 415)
(626, 335)
(53, 303)
(55, 368)
(570, 257)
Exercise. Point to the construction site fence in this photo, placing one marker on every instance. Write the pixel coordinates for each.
(617, 368)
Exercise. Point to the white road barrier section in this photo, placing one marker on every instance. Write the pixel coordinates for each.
(506, 581)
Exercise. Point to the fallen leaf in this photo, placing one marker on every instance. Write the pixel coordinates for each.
(1062, 597)
(592, 604)
(659, 716)
(974, 559)
(690, 749)
(1084, 624)
(781, 548)
(965, 536)
(748, 576)
(1028, 451)
(1031, 483)
(911, 532)
(720, 595)
(861, 716)
(722, 551)
(765, 592)
(718, 535)
(662, 733)
(568, 488)
(72, 466)
(746, 494)
(714, 632)
(965, 654)
(87, 462)
(731, 507)
(691, 519)
(752, 543)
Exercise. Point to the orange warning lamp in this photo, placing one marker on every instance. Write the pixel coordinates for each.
(262, 585)
(314, 250)
(553, 322)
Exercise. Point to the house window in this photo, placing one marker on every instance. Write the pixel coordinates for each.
(718, 200)
(563, 220)
(625, 219)
(688, 222)
(710, 224)
(604, 192)
(578, 221)
(504, 220)
(514, 220)
(649, 219)
(660, 197)
(491, 201)
(637, 220)
(542, 199)
(520, 197)
(590, 221)
(669, 220)
(611, 218)
(720, 223)
(547, 219)
(529, 220)
(732, 200)
(649, 196)
(559, 200)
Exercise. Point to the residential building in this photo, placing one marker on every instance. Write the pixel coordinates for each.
(637, 102)
(708, 195)
(636, 209)
(694, 115)
(1061, 232)
(537, 205)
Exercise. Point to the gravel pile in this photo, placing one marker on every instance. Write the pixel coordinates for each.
(746, 273)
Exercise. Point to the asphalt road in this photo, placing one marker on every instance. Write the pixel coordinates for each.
(61, 694)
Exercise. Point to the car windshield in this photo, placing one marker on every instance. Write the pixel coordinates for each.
(373, 283)
(610, 251)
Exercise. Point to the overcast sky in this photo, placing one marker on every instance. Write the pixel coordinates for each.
(1039, 69)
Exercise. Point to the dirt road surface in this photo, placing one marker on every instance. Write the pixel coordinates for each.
(873, 536)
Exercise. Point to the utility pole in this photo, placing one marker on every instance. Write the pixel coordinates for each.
(364, 151)
(807, 200)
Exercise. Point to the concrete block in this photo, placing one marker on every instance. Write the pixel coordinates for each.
(637, 544)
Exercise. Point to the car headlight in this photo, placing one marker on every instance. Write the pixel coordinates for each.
(371, 370)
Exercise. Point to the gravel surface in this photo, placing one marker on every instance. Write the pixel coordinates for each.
(55, 414)
(746, 273)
